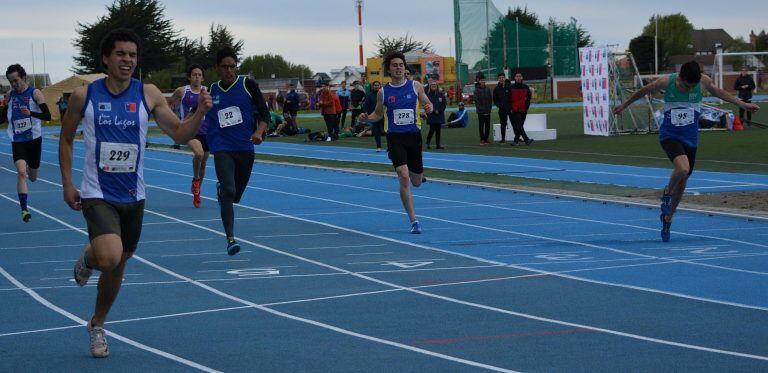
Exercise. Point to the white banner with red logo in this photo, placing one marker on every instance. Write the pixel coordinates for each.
(594, 90)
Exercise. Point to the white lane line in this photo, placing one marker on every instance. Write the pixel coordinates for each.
(466, 303)
(200, 254)
(576, 278)
(339, 247)
(546, 253)
(240, 269)
(50, 261)
(728, 229)
(297, 235)
(605, 234)
(245, 302)
(82, 322)
(31, 232)
(227, 261)
(70, 277)
(483, 260)
(40, 247)
(398, 261)
(364, 254)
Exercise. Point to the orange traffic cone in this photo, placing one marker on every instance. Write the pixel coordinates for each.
(737, 125)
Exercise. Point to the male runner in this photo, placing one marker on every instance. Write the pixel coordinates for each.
(679, 132)
(401, 98)
(25, 111)
(114, 112)
(186, 98)
(238, 106)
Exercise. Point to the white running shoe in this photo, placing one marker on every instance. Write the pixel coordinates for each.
(81, 272)
(98, 338)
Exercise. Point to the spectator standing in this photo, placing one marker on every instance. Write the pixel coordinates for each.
(292, 101)
(344, 98)
(483, 99)
(435, 119)
(370, 106)
(519, 102)
(501, 100)
(356, 98)
(745, 85)
(328, 109)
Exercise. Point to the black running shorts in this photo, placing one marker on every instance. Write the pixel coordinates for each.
(122, 219)
(203, 141)
(29, 151)
(675, 148)
(405, 148)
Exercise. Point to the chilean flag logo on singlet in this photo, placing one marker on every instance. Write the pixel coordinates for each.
(392, 99)
(130, 107)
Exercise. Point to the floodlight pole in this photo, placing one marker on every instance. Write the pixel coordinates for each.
(517, 35)
(656, 47)
(360, 28)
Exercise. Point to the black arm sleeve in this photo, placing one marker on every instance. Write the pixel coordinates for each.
(258, 100)
(4, 114)
(45, 114)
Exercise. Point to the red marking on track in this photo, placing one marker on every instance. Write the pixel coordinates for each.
(501, 336)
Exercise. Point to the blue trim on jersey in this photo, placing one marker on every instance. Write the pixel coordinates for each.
(235, 137)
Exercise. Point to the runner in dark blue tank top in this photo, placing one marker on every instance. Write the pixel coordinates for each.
(401, 99)
(237, 121)
(186, 98)
(679, 132)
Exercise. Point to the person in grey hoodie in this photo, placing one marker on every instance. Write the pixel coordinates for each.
(483, 102)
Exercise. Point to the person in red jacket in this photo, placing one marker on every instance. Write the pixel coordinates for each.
(328, 109)
(519, 102)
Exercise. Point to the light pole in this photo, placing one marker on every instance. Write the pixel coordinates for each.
(656, 47)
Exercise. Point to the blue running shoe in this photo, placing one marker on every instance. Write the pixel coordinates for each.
(416, 227)
(665, 227)
(233, 248)
(666, 204)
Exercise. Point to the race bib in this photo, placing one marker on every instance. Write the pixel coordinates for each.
(682, 117)
(230, 116)
(404, 117)
(22, 125)
(118, 157)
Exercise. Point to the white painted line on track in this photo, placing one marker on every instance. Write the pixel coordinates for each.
(82, 322)
(200, 254)
(338, 247)
(364, 254)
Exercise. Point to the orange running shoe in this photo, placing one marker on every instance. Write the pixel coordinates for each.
(196, 193)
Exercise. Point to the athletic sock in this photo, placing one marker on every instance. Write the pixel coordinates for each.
(23, 201)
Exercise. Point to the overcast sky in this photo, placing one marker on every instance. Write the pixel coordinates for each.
(323, 34)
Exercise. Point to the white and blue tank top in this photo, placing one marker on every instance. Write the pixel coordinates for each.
(23, 128)
(115, 133)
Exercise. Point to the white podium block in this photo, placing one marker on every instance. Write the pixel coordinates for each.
(535, 127)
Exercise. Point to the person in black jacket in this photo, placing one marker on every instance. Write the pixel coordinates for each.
(519, 102)
(357, 96)
(436, 119)
(501, 100)
(483, 107)
(745, 85)
(370, 106)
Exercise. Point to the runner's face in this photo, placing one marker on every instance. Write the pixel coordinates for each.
(227, 69)
(17, 83)
(397, 68)
(122, 61)
(196, 78)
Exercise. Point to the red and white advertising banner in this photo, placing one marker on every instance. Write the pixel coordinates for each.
(594, 89)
